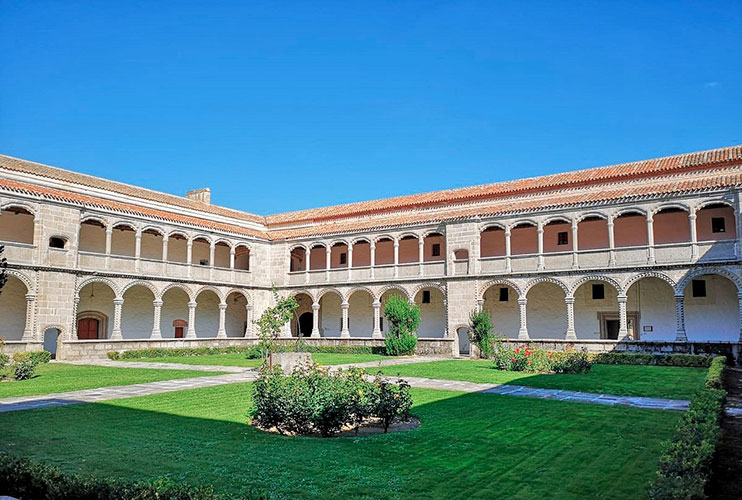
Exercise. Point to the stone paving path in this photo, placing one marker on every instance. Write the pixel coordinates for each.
(157, 366)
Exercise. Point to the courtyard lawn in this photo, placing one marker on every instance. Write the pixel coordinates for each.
(59, 377)
(470, 446)
(238, 359)
(622, 380)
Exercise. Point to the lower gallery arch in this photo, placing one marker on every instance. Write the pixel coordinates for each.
(596, 312)
(330, 315)
(137, 313)
(207, 314)
(13, 309)
(711, 309)
(174, 313)
(501, 303)
(432, 313)
(95, 311)
(462, 337)
(302, 327)
(653, 301)
(361, 314)
(546, 311)
(235, 320)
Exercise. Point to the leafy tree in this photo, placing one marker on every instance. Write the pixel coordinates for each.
(403, 319)
(481, 333)
(272, 321)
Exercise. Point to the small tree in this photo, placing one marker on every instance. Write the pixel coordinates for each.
(403, 318)
(481, 333)
(272, 321)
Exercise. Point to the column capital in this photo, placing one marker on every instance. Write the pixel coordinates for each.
(569, 299)
(480, 302)
(118, 301)
(192, 305)
(315, 306)
(157, 303)
(622, 298)
(679, 298)
(223, 306)
(248, 307)
(376, 303)
(522, 301)
(540, 229)
(344, 305)
(189, 243)
(31, 297)
(396, 243)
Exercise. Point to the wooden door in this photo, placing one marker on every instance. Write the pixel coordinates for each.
(87, 328)
(178, 332)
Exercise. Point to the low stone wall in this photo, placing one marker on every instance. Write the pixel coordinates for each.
(729, 349)
(425, 346)
(12, 346)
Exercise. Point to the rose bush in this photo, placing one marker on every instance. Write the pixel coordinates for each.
(525, 359)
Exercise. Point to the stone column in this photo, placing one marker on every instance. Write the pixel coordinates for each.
(540, 234)
(611, 243)
(420, 255)
(350, 262)
(480, 305)
(212, 248)
(328, 262)
(231, 258)
(680, 334)
(738, 227)
(221, 333)
(571, 333)
(164, 248)
(248, 321)
(73, 329)
(315, 320)
(156, 333)
(191, 333)
(307, 263)
(523, 332)
(575, 262)
(623, 327)
(377, 320)
(373, 259)
(28, 329)
(38, 238)
(118, 304)
(650, 239)
(693, 236)
(109, 237)
(396, 258)
(507, 250)
(189, 257)
(345, 331)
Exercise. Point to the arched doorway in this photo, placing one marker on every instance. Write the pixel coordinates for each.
(179, 327)
(305, 324)
(464, 344)
(51, 336)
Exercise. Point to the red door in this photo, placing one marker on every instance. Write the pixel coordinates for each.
(178, 332)
(87, 328)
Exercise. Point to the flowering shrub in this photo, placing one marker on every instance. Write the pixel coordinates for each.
(525, 359)
(314, 401)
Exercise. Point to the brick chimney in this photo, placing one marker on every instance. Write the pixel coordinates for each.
(203, 195)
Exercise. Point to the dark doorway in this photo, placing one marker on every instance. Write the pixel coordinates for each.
(611, 329)
(306, 321)
(51, 336)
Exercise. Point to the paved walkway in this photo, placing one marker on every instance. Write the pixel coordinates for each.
(157, 366)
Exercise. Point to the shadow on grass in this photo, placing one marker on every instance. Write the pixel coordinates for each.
(469, 446)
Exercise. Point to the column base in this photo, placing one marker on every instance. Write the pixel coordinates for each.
(315, 334)
(377, 335)
(570, 335)
(116, 335)
(221, 334)
(156, 335)
(681, 336)
(523, 335)
(190, 335)
(345, 335)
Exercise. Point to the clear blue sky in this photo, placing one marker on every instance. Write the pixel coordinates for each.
(289, 105)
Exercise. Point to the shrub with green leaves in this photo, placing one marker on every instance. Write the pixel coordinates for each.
(403, 319)
(481, 334)
(525, 359)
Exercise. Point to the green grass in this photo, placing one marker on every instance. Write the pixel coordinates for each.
(621, 380)
(59, 377)
(470, 446)
(238, 359)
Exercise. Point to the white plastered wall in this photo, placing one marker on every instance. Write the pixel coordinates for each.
(137, 313)
(546, 313)
(13, 309)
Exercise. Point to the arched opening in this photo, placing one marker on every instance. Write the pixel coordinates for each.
(715, 222)
(306, 321)
(51, 341)
(670, 225)
(207, 314)
(461, 254)
(57, 242)
(501, 303)
(361, 314)
(152, 244)
(305, 306)
(630, 230)
(221, 255)
(653, 300)
(592, 233)
(596, 312)
(94, 311)
(339, 256)
(434, 247)
(711, 309)
(557, 236)
(462, 335)
(298, 259)
(137, 313)
(92, 236)
(432, 313)
(236, 315)
(492, 242)
(523, 239)
(242, 258)
(317, 258)
(330, 314)
(392, 292)
(546, 311)
(384, 252)
(174, 310)
(123, 240)
(16, 225)
(361, 253)
(200, 253)
(13, 309)
(409, 250)
(177, 248)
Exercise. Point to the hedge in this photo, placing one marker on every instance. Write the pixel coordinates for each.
(685, 463)
(619, 358)
(250, 350)
(24, 479)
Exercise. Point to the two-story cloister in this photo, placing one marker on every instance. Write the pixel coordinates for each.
(645, 253)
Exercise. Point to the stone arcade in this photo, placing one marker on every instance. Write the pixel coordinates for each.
(641, 256)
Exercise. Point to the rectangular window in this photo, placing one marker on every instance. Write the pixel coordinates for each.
(436, 250)
(204, 262)
(343, 258)
(718, 225)
(503, 294)
(598, 291)
(699, 288)
(562, 238)
(426, 296)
